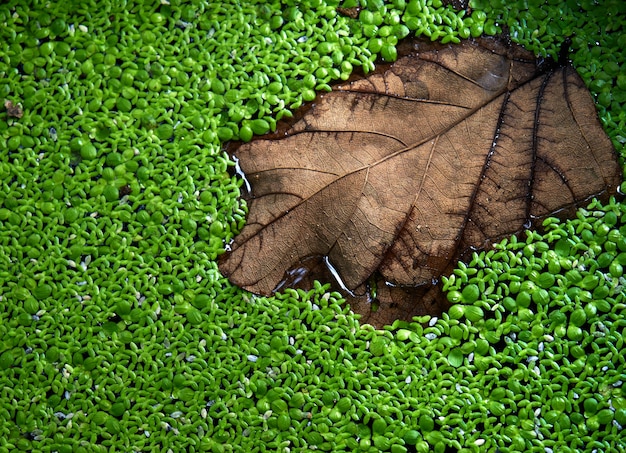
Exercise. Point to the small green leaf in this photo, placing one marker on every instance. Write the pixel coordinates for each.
(194, 317)
(470, 293)
(455, 358)
(473, 313)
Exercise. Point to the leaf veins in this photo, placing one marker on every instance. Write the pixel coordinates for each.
(394, 176)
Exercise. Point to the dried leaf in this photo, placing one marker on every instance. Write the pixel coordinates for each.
(14, 110)
(392, 177)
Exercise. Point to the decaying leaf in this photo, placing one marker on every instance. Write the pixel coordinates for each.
(14, 110)
(396, 174)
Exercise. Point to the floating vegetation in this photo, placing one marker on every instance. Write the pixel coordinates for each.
(117, 330)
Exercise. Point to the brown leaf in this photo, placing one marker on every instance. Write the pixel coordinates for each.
(353, 13)
(392, 177)
(14, 110)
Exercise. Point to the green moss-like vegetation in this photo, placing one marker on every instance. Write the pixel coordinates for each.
(117, 332)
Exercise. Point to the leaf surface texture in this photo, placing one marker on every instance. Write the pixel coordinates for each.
(396, 174)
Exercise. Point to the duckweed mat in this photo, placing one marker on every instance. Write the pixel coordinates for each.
(117, 332)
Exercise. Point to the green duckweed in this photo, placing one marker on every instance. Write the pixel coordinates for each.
(117, 330)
